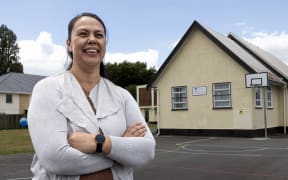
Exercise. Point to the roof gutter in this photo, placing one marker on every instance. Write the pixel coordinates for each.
(15, 92)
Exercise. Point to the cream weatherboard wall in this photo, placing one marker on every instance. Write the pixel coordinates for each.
(274, 115)
(9, 108)
(200, 62)
(24, 103)
(20, 103)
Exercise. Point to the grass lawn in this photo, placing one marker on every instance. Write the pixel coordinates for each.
(15, 141)
(153, 127)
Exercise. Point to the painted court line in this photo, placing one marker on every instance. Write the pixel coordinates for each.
(208, 153)
(184, 146)
(244, 149)
(199, 140)
(181, 145)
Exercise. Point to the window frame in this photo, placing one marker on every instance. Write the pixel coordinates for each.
(185, 98)
(9, 99)
(259, 100)
(214, 100)
(269, 100)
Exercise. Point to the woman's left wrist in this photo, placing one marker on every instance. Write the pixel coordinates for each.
(107, 145)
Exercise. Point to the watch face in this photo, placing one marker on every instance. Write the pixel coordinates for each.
(100, 138)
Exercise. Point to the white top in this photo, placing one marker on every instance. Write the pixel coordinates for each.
(59, 106)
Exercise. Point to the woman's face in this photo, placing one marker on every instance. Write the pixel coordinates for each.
(87, 43)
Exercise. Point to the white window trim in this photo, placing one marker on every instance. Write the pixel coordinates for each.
(257, 89)
(184, 102)
(268, 90)
(6, 98)
(227, 100)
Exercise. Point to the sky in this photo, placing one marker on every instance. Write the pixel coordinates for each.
(145, 31)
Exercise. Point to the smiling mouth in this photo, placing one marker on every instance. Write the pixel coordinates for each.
(91, 51)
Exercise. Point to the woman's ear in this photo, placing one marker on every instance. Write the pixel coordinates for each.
(68, 44)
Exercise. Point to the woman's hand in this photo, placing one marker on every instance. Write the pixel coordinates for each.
(136, 130)
(83, 142)
(86, 143)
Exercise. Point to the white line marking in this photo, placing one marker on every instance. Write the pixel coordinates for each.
(213, 154)
(21, 178)
(199, 140)
(221, 151)
(186, 147)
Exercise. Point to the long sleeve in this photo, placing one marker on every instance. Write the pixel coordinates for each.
(133, 151)
(48, 131)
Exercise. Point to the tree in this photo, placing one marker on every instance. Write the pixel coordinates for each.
(128, 75)
(9, 59)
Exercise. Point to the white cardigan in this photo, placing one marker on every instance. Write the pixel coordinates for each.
(59, 106)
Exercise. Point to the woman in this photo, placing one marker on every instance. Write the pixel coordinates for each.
(82, 125)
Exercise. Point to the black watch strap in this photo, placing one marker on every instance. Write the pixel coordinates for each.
(99, 147)
(100, 139)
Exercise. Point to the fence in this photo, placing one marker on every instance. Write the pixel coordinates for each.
(10, 121)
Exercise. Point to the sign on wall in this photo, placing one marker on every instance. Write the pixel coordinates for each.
(199, 91)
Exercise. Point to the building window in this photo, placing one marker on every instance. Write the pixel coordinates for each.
(9, 98)
(221, 95)
(269, 97)
(179, 97)
(258, 97)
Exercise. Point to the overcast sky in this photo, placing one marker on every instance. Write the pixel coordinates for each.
(144, 30)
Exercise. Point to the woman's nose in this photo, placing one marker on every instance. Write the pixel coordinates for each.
(91, 39)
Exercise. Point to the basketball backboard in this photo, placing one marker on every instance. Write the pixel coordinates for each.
(256, 80)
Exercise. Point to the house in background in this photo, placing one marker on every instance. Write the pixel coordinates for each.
(201, 87)
(15, 92)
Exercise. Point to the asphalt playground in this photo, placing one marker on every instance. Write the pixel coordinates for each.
(194, 158)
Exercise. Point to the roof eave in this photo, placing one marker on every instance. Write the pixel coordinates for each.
(212, 38)
(271, 68)
(15, 92)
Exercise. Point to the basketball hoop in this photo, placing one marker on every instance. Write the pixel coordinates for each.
(256, 80)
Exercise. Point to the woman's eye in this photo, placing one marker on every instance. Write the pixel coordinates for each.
(82, 34)
(99, 35)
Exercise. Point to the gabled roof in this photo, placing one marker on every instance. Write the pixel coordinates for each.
(270, 61)
(18, 83)
(239, 54)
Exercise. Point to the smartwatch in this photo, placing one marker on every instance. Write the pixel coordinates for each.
(100, 139)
